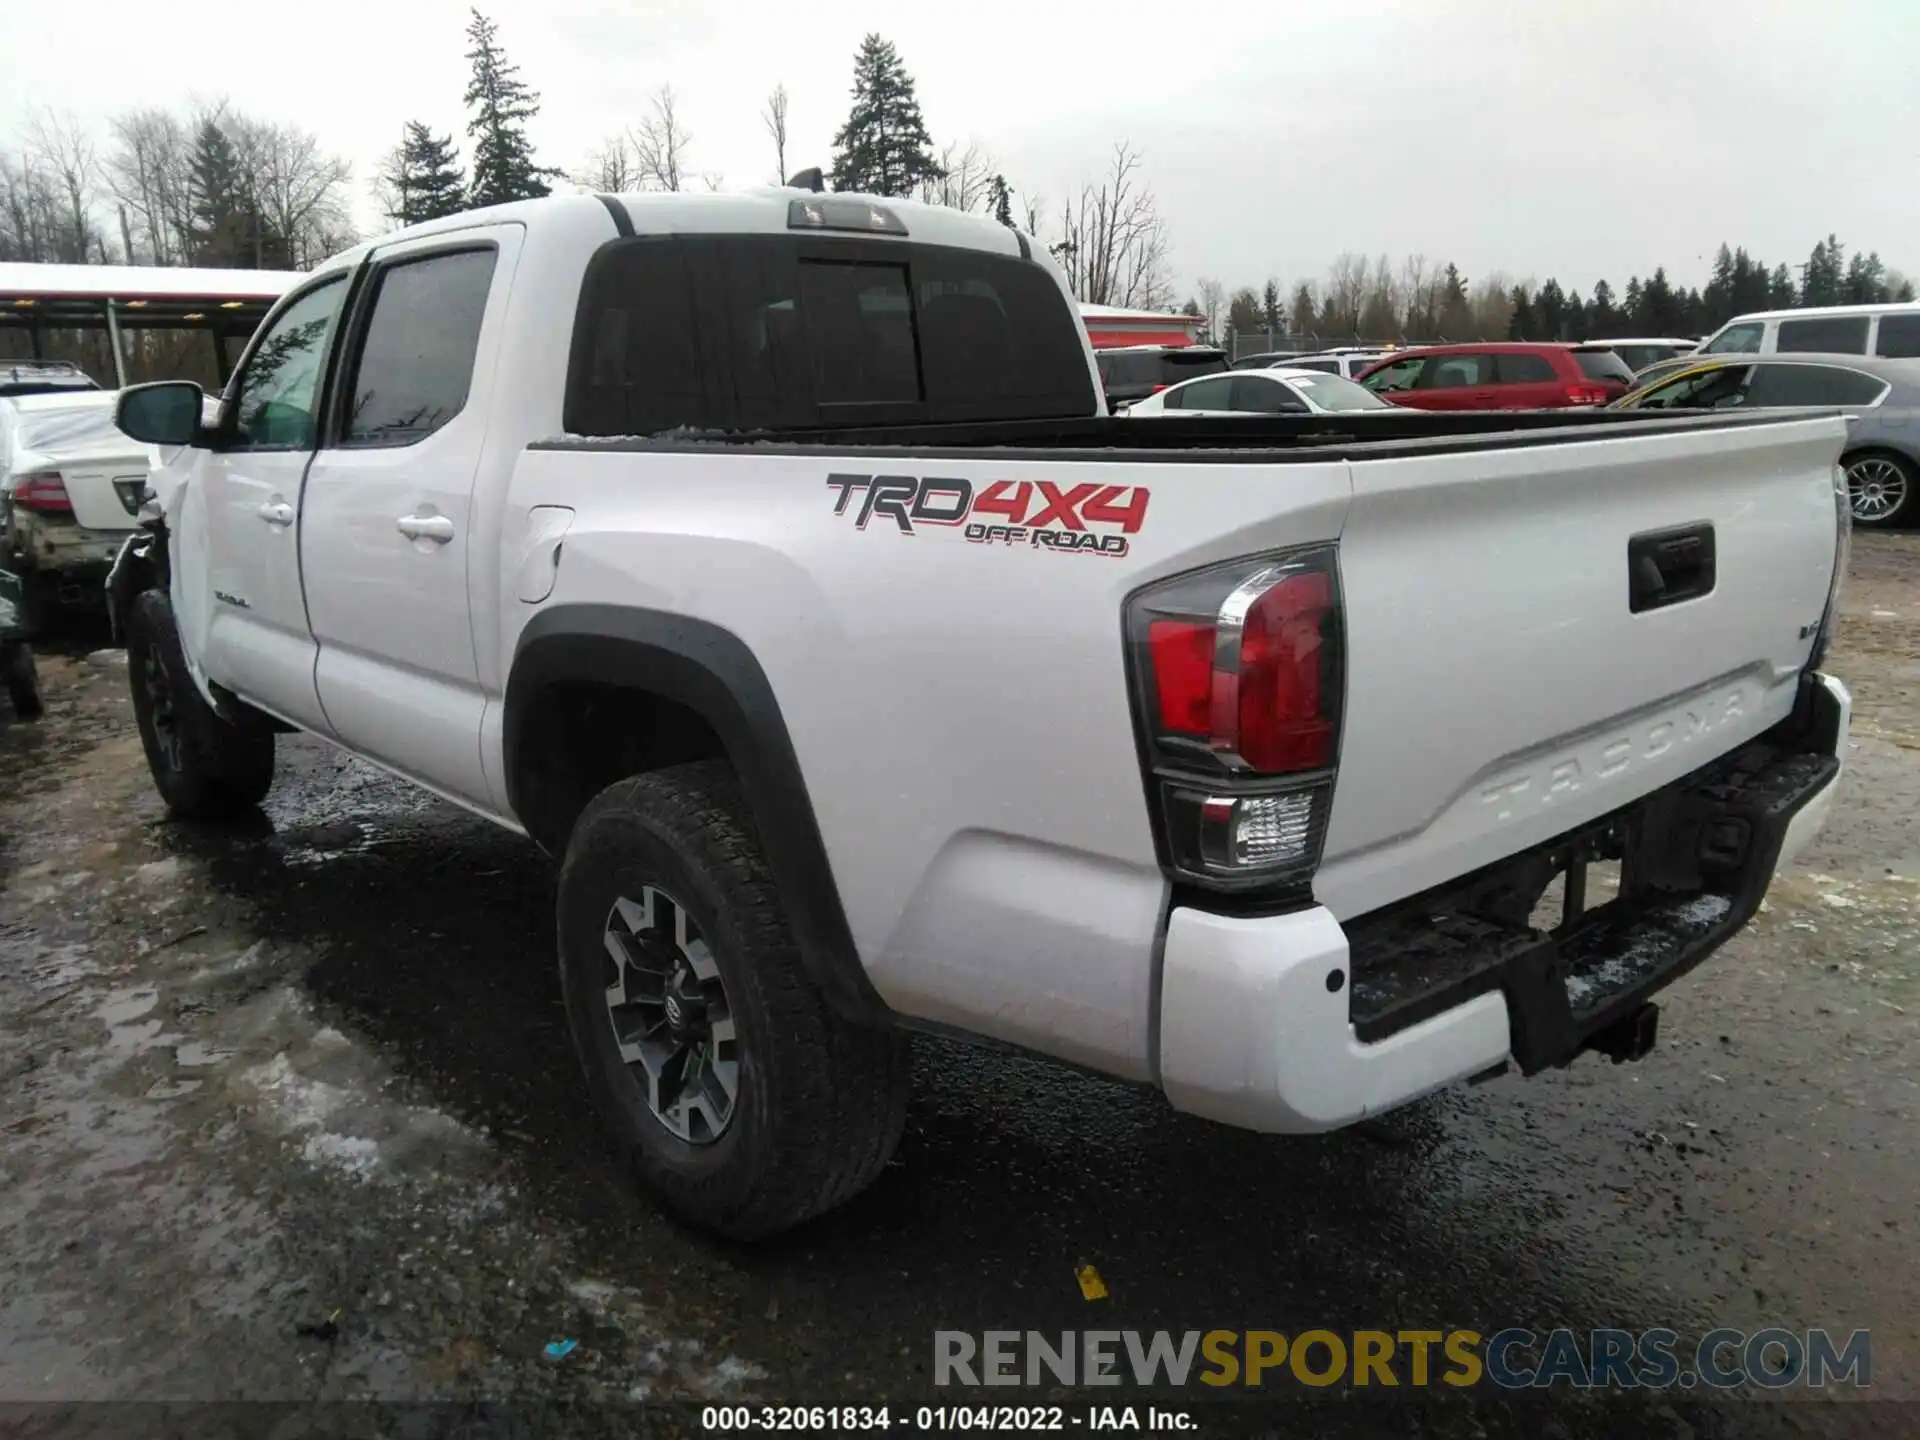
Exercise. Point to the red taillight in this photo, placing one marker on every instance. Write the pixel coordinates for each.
(44, 492)
(1157, 389)
(1183, 675)
(1239, 675)
(1285, 724)
(1587, 395)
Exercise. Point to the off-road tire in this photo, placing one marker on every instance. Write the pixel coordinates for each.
(22, 680)
(205, 767)
(820, 1102)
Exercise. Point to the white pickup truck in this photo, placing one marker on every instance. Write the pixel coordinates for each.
(770, 561)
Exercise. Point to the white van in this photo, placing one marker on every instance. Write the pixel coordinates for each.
(1890, 330)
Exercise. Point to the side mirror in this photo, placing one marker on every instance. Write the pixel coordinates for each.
(166, 413)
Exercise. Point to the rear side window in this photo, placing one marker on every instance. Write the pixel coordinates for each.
(1736, 340)
(1603, 365)
(1325, 367)
(786, 332)
(1451, 372)
(1265, 397)
(1524, 369)
(1812, 385)
(1202, 395)
(1400, 375)
(1899, 336)
(415, 364)
(1824, 334)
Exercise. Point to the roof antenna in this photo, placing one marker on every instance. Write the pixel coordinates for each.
(810, 179)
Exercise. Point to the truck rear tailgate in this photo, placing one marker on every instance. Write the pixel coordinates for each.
(1538, 635)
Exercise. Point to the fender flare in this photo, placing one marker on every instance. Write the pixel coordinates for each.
(713, 673)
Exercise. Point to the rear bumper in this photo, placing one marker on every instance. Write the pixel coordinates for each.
(1295, 1023)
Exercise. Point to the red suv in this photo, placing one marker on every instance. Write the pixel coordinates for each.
(1509, 376)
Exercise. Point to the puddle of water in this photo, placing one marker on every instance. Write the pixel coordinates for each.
(123, 1007)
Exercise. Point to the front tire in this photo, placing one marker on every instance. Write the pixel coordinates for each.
(1881, 489)
(743, 1101)
(205, 767)
(22, 680)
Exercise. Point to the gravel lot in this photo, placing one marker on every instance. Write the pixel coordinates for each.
(291, 1115)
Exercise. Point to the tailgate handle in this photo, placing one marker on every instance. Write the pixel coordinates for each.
(1665, 567)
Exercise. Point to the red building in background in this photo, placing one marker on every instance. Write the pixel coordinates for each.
(1108, 326)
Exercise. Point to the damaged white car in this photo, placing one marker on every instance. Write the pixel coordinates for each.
(71, 486)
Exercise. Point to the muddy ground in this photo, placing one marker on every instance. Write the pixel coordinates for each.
(291, 1115)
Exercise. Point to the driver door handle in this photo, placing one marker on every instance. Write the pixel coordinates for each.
(437, 528)
(277, 512)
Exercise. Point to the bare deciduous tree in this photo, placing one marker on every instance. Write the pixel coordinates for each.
(1113, 244)
(1212, 296)
(660, 144)
(774, 117)
(613, 169)
(149, 174)
(966, 178)
(299, 191)
(62, 150)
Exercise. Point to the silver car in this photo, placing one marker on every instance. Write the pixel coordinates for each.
(1880, 397)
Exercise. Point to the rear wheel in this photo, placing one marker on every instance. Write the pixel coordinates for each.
(744, 1103)
(1880, 488)
(205, 767)
(22, 679)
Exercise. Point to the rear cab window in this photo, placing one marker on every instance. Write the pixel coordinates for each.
(791, 332)
(1824, 334)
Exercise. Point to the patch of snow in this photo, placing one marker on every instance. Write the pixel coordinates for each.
(159, 872)
(352, 1153)
(1702, 910)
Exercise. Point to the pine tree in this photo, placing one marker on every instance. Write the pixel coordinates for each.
(1865, 280)
(228, 229)
(1603, 320)
(422, 178)
(1456, 307)
(884, 148)
(1780, 292)
(501, 103)
(1575, 318)
(1520, 325)
(1823, 277)
(1000, 201)
(1270, 304)
(1720, 289)
(1550, 312)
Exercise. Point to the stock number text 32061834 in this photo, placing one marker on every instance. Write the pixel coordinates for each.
(841, 1418)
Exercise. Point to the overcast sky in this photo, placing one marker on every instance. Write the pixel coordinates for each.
(1558, 137)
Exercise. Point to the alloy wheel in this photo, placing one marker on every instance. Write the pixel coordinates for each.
(1876, 489)
(671, 1015)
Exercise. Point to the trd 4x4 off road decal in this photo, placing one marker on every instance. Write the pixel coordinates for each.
(1095, 519)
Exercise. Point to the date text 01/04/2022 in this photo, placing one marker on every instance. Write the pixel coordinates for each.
(984, 1418)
